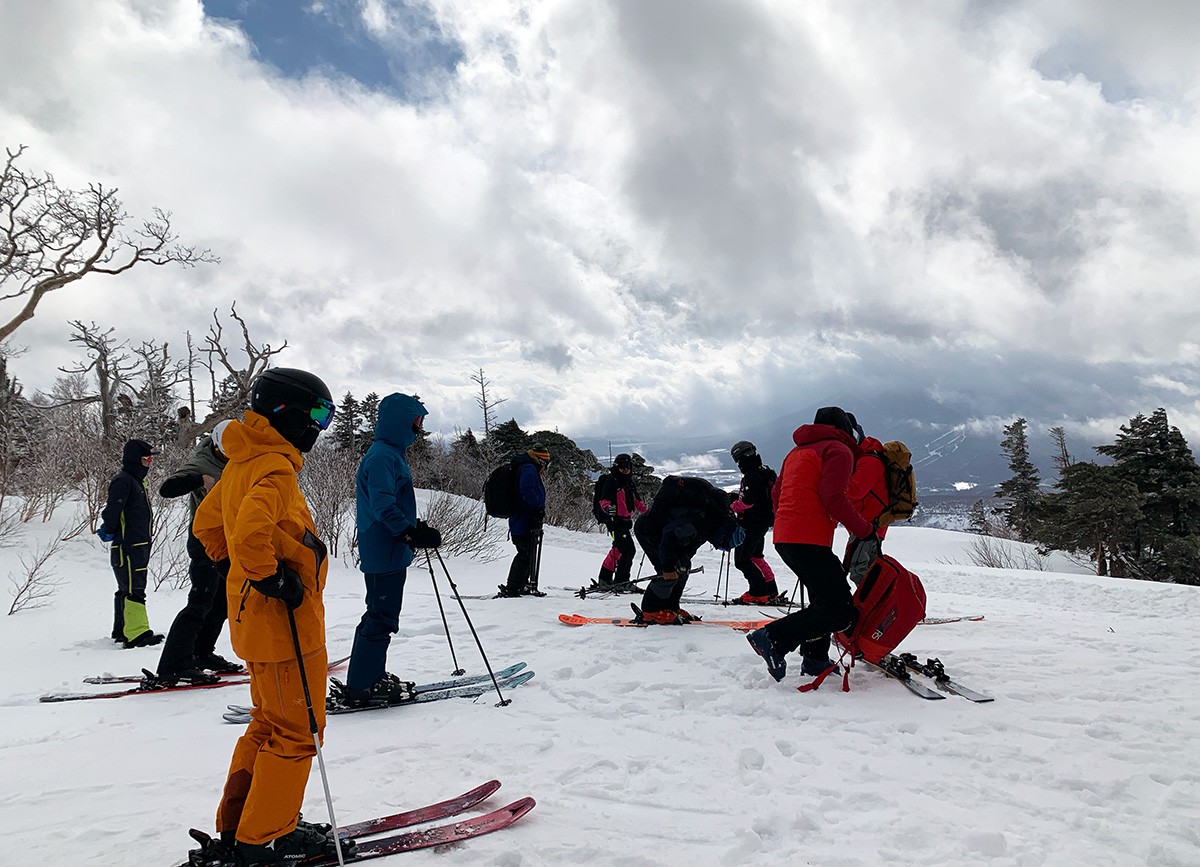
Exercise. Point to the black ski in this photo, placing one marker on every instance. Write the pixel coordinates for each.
(596, 589)
(469, 680)
(469, 691)
(894, 668)
(935, 671)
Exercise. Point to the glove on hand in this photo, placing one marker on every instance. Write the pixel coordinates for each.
(105, 534)
(223, 566)
(422, 536)
(285, 584)
(611, 510)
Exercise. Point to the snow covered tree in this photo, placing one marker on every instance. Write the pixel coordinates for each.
(977, 518)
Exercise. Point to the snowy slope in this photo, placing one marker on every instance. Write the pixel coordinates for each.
(663, 746)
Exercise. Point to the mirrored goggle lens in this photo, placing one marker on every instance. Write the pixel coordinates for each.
(322, 413)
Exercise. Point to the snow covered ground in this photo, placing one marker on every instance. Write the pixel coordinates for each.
(662, 746)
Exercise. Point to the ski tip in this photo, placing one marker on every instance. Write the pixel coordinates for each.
(572, 619)
(520, 808)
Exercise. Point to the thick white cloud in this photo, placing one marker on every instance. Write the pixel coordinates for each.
(638, 218)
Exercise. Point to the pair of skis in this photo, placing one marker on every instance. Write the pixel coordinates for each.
(148, 684)
(580, 620)
(905, 665)
(214, 854)
(471, 686)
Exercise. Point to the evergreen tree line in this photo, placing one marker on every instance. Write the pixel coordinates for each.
(1137, 516)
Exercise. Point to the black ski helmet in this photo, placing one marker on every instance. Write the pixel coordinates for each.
(287, 396)
(742, 449)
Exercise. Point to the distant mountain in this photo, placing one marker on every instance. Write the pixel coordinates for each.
(954, 457)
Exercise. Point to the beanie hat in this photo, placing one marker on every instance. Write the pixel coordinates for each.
(834, 416)
(539, 453)
(622, 461)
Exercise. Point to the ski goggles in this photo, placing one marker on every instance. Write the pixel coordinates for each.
(322, 413)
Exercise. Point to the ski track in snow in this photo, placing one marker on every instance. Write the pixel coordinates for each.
(659, 746)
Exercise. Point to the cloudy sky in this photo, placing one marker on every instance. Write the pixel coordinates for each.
(642, 215)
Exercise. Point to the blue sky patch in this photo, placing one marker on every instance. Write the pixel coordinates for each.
(411, 60)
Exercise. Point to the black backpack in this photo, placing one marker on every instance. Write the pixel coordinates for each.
(501, 499)
(597, 512)
(693, 493)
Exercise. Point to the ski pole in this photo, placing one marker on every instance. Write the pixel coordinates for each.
(720, 569)
(312, 727)
(454, 587)
(458, 670)
(536, 564)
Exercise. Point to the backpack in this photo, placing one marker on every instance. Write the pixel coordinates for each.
(890, 601)
(500, 496)
(693, 493)
(597, 512)
(901, 482)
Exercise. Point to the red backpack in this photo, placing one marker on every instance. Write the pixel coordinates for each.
(890, 601)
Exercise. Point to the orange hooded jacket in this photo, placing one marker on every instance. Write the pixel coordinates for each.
(256, 516)
(810, 495)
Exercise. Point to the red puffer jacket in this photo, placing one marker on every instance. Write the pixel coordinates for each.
(868, 484)
(810, 495)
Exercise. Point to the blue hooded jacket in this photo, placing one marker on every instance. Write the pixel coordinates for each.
(385, 503)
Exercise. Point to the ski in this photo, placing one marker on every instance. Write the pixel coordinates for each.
(141, 678)
(440, 810)
(470, 679)
(894, 668)
(580, 620)
(212, 853)
(470, 691)
(935, 671)
(606, 590)
(144, 689)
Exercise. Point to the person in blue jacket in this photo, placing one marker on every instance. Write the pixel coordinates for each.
(388, 531)
(525, 525)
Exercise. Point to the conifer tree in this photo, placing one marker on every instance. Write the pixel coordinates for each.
(347, 422)
(1093, 511)
(1155, 457)
(1022, 490)
(369, 410)
(977, 519)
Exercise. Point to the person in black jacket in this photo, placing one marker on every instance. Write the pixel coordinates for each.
(125, 523)
(190, 648)
(755, 513)
(686, 513)
(616, 503)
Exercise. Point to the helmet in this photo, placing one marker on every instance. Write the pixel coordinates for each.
(295, 402)
(742, 449)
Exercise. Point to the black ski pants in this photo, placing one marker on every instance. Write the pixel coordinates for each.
(193, 634)
(829, 606)
(520, 572)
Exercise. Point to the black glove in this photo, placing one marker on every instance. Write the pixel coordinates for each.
(422, 536)
(285, 584)
(222, 566)
(537, 517)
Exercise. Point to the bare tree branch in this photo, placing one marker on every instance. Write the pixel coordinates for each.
(51, 237)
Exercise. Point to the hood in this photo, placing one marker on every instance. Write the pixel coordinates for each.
(807, 434)
(253, 437)
(394, 424)
(870, 444)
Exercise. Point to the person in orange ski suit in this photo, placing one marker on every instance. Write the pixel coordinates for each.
(256, 525)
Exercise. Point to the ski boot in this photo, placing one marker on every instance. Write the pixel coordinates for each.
(218, 664)
(760, 640)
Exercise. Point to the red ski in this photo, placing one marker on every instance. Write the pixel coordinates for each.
(580, 620)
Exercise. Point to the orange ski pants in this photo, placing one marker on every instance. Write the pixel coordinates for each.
(269, 771)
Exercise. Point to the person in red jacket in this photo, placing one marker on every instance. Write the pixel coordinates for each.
(810, 501)
(869, 495)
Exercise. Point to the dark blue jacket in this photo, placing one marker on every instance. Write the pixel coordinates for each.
(385, 503)
(533, 498)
